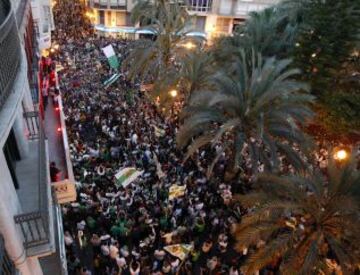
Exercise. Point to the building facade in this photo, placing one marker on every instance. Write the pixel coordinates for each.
(29, 223)
(43, 21)
(212, 18)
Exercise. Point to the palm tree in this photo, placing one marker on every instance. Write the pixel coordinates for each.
(196, 73)
(157, 60)
(257, 112)
(299, 221)
(268, 32)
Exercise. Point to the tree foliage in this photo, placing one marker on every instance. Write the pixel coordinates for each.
(303, 220)
(156, 60)
(328, 33)
(256, 110)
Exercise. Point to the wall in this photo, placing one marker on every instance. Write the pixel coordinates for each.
(43, 18)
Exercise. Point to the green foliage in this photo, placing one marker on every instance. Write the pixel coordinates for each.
(301, 218)
(196, 73)
(265, 32)
(326, 38)
(256, 110)
(342, 112)
(155, 61)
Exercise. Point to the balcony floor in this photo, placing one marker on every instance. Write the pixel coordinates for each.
(56, 147)
(27, 173)
(51, 264)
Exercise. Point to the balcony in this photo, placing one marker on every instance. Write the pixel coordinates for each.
(241, 8)
(10, 53)
(105, 4)
(37, 220)
(199, 6)
(6, 265)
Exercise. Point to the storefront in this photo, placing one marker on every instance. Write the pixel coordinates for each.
(133, 33)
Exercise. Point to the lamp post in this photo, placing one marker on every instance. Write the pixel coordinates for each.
(173, 93)
(189, 45)
(341, 154)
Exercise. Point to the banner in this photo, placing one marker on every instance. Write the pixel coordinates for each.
(111, 80)
(126, 176)
(111, 56)
(65, 191)
(179, 250)
(176, 191)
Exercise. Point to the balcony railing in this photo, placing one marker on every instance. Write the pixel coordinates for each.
(6, 265)
(35, 224)
(105, 4)
(199, 5)
(10, 53)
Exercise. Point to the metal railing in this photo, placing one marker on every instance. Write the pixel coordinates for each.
(10, 53)
(6, 265)
(199, 5)
(107, 4)
(32, 124)
(35, 225)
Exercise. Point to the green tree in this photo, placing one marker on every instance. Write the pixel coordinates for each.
(156, 60)
(196, 73)
(301, 220)
(259, 110)
(327, 35)
(267, 32)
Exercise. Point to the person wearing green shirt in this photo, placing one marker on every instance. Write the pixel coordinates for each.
(91, 222)
(199, 226)
(116, 231)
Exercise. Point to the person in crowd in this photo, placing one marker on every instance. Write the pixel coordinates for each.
(54, 172)
(125, 230)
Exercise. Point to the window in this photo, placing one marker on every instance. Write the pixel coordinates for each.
(113, 3)
(120, 19)
(108, 15)
(102, 17)
(46, 23)
(200, 5)
(222, 24)
(12, 155)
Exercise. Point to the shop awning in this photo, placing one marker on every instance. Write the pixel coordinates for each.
(133, 30)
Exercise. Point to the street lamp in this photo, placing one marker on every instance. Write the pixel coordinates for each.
(340, 155)
(189, 45)
(173, 93)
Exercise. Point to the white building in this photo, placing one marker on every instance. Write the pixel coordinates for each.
(29, 220)
(44, 21)
(212, 17)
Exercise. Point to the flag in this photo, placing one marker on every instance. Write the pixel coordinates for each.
(59, 67)
(158, 131)
(159, 171)
(111, 80)
(176, 191)
(111, 56)
(126, 176)
(179, 250)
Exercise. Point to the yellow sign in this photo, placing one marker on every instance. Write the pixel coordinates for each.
(65, 191)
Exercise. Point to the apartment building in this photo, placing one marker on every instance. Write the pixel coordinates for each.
(30, 219)
(212, 18)
(43, 21)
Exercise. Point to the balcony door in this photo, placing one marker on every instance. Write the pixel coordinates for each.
(102, 17)
(12, 155)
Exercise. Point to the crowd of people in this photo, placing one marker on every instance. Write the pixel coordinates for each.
(117, 230)
(112, 229)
